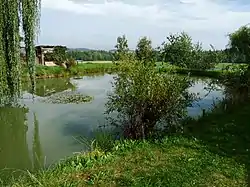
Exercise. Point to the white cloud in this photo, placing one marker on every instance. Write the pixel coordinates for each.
(173, 15)
(191, 14)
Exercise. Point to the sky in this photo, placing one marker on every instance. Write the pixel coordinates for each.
(96, 24)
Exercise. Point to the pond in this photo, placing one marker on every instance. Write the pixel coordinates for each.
(48, 133)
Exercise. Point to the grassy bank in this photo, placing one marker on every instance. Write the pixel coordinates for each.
(80, 69)
(173, 162)
(219, 70)
(214, 151)
(103, 67)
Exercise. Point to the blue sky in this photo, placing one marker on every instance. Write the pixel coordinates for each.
(97, 23)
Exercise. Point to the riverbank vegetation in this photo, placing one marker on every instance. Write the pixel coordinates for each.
(108, 67)
(150, 140)
(80, 69)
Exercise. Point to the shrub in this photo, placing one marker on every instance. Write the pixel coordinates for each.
(143, 98)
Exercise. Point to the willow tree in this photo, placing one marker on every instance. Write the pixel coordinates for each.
(16, 16)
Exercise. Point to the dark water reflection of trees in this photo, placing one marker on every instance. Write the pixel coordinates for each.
(48, 87)
(14, 151)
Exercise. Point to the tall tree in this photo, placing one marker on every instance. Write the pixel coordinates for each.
(144, 51)
(180, 50)
(177, 49)
(122, 50)
(239, 43)
(16, 14)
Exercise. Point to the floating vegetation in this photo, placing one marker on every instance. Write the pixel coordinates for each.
(67, 98)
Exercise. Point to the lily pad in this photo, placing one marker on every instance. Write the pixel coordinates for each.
(67, 98)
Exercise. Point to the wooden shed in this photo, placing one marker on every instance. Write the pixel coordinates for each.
(41, 50)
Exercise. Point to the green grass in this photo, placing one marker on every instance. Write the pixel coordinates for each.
(80, 69)
(176, 161)
(226, 133)
(98, 62)
(230, 65)
(219, 70)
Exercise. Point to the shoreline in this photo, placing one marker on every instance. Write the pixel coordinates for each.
(44, 72)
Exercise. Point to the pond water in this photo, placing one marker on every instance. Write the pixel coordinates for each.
(48, 133)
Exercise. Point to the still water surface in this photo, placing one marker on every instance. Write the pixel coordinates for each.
(48, 133)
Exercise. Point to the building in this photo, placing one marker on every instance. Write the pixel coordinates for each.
(41, 50)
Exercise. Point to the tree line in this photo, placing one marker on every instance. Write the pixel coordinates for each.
(150, 104)
(175, 43)
(178, 49)
(92, 55)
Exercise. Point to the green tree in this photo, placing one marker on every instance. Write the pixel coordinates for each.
(180, 50)
(239, 43)
(177, 49)
(143, 98)
(60, 54)
(144, 51)
(122, 50)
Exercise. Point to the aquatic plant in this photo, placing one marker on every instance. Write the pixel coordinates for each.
(16, 14)
(67, 97)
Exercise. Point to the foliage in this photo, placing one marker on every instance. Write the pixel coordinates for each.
(182, 52)
(122, 50)
(144, 51)
(177, 49)
(14, 15)
(59, 55)
(239, 42)
(92, 55)
(143, 98)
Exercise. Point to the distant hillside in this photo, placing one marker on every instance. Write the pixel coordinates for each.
(80, 49)
(87, 49)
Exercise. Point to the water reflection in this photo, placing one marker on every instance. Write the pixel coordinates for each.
(14, 149)
(14, 152)
(38, 159)
(47, 87)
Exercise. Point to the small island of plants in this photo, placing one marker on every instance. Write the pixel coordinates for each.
(67, 97)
